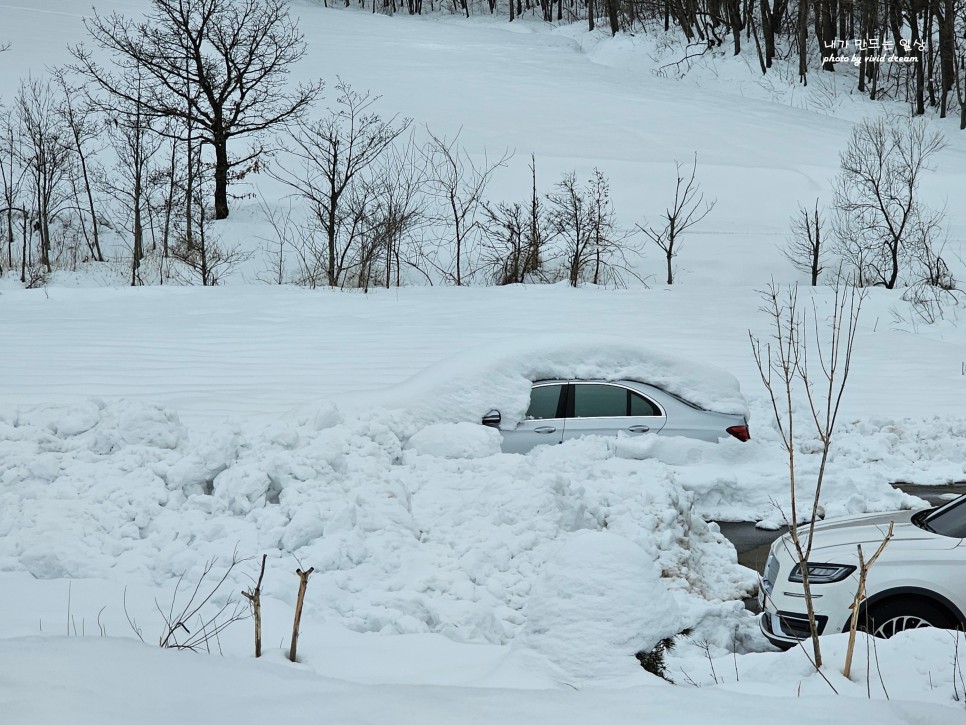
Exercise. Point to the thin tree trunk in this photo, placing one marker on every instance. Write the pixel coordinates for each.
(95, 243)
(220, 144)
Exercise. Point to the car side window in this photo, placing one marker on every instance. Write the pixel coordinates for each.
(639, 405)
(610, 401)
(544, 402)
(599, 401)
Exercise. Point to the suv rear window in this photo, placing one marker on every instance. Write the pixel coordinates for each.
(948, 520)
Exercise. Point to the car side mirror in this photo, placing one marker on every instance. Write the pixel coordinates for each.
(492, 419)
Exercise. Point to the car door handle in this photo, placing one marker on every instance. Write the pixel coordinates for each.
(545, 429)
(639, 429)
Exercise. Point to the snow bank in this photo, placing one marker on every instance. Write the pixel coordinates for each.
(103, 681)
(436, 533)
(598, 601)
(456, 440)
(922, 665)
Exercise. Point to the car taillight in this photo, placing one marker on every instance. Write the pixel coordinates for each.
(740, 432)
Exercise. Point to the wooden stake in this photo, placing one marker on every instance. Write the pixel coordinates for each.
(255, 599)
(303, 583)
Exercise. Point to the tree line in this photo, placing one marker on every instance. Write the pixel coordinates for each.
(145, 146)
(145, 149)
(908, 50)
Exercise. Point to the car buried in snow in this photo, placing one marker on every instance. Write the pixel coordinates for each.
(564, 409)
(919, 580)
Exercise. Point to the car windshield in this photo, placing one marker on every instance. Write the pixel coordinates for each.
(947, 520)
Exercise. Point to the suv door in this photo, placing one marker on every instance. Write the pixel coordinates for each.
(608, 408)
(544, 423)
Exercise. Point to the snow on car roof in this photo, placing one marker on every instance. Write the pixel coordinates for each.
(498, 375)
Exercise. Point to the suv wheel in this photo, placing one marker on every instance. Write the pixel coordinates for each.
(899, 615)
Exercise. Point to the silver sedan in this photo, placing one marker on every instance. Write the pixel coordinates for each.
(564, 409)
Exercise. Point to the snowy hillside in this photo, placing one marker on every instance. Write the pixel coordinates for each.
(146, 431)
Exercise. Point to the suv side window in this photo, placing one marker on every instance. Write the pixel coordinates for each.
(544, 402)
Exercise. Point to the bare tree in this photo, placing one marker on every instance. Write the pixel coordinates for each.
(168, 198)
(12, 176)
(880, 224)
(397, 214)
(582, 218)
(960, 67)
(202, 252)
(277, 246)
(458, 185)
(79, 119)
(135, 146)
(219, 65)
(687, 209)
(808, 357)
(806, 249)
(46, 151)
(517, 236)
(336, 153)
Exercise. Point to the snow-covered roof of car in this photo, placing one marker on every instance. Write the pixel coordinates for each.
(468, 384)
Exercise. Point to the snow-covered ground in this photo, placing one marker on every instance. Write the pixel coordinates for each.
(145, 432)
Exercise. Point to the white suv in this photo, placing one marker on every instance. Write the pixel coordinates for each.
(918, 581)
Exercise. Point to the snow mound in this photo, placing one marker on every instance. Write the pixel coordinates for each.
(456, 440)
(598, 601)
(440, 537)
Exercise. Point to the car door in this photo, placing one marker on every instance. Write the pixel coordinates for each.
(599, 408)
(544, 422)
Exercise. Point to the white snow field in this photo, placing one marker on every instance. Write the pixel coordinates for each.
(145, 432)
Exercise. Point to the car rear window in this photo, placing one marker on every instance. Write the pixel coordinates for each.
(608, 401)
(639, 405)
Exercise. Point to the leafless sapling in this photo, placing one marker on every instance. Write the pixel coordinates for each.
(12, 175)
(336, 153)
(806, 356)
(687, 209)
(582, 218)
(860, 595)
(458, 185)
(79, 117)
(205, 256)
(516, 237)
(130, 135)
(807, 249)
(190, 607)
(46, 151)
(277, 246)
(397, 217)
